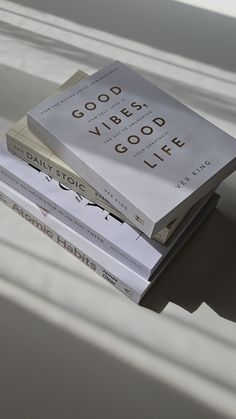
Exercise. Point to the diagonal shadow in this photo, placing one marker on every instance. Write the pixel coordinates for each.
(55, 362)
(196, 97)
(191, 297)
(195, 33)
(201, 98)
(55, 265)
(112, 44)
(50, 45)
(204, 272)
(167, 291)
(126, 337)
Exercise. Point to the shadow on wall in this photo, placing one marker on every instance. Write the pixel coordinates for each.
(173, 27)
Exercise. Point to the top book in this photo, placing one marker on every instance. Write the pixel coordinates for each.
(146, 153)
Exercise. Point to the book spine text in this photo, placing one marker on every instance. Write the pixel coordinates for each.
(59, 173)
(75, 223)
(70, 247)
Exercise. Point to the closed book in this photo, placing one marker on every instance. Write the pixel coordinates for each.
(122, 241)
(119, 275)
(149, 155)
(22, 143)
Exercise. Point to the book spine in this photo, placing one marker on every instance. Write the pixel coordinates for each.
(72, 181)
(75, 223)
(59, 173)
(121, 203)
(71, 247)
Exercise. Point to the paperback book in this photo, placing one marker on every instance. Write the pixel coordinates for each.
(116, 273)
(149, 155)
(22, 143)
(117, 238)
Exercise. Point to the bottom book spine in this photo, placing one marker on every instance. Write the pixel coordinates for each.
(131, 284)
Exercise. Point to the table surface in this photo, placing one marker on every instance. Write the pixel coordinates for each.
(68, 337)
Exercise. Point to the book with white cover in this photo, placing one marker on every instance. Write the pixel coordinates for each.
(148, 154)
(117, 274)
(127, 244)
(22, 143)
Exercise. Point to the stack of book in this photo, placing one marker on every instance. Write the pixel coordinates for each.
(115, 171)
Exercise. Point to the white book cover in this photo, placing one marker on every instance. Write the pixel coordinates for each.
(148, 154)
(19, 143)
(116, 273)
(127, 244)
(22, 143)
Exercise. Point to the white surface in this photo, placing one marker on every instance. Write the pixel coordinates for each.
(223, 8)
(90, 352)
